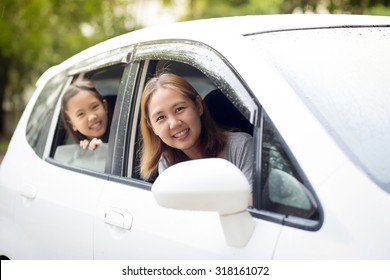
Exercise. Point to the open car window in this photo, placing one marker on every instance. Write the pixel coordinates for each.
(65, 150)
(221, 108)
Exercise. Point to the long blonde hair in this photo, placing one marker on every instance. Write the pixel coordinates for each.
(212, 138)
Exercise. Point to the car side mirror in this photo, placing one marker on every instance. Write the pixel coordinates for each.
(209, 185)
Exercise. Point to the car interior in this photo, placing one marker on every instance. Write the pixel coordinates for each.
(107, 83)
(220, 107)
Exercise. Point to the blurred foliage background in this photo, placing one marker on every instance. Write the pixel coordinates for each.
(36, 34)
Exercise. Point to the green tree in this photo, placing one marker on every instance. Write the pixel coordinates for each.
(221, 8)
(374, 7)
(36, 34)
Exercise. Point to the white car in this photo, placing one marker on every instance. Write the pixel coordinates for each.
(313, 90)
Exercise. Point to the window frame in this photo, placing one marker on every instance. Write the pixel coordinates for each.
(259, 209)
(105, 60)
(195, 54)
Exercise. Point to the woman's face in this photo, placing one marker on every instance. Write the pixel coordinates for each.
(176, 120)
(87, 114)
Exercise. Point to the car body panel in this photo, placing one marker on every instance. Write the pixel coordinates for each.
(40, 201)
(54, 211)
(172, 234)
(347, 222)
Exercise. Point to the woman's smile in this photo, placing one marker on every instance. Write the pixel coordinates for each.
(182, 134)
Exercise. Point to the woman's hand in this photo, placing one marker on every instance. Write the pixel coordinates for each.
(90, 145)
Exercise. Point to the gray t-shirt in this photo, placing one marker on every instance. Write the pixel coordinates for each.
(238, 150)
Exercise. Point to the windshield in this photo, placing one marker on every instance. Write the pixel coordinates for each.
(343, 75)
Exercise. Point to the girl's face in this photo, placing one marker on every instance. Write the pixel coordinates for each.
(176, 120)
(87, 114)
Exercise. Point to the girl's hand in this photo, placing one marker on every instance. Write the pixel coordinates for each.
(95, 142)
(90, 145)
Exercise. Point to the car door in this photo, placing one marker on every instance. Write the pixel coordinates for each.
(130, 224)
(54, 208)
(54, 212)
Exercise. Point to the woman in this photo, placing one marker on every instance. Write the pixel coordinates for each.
(84, 114)
(176, 126)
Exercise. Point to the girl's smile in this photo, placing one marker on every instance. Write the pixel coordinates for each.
(87, 114)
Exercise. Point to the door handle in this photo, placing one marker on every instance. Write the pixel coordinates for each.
(118, 218)
(28, 191)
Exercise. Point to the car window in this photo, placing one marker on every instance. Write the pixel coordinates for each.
(221, 108)
(283, 189)
(65, 149)
(42, 113)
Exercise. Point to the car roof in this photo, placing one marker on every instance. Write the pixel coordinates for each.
(222, 28)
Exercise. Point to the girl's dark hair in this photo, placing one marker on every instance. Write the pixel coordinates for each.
(212, 138)
(74, 89)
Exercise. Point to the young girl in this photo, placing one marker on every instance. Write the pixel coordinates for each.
(84, 114)
(176, 126)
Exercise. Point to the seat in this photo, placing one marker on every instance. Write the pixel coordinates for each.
(111, 101)
(225, 113)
